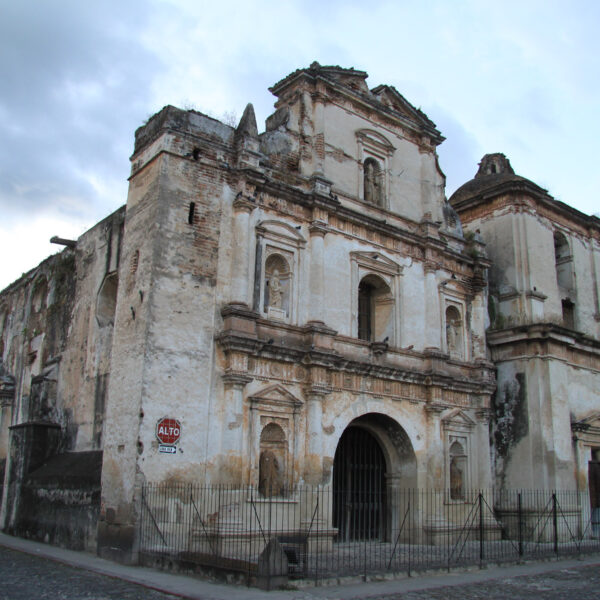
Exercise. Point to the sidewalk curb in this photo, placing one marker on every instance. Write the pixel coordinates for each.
(192, 588)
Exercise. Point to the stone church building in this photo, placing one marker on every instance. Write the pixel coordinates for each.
(300, 305)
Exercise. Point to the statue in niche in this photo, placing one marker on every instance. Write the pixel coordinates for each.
(453, 333)
(275, 290)
(372, 182)
(456, 479)
(270, 480)
(451, 337)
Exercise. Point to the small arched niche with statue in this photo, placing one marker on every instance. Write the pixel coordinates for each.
(455, 344)
(374, 161)
(272, 461)
(277, 286)
(273, 431)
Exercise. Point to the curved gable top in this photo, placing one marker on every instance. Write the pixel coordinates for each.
(279, 229)
(375, 138)
(589, 423)
(389, 96)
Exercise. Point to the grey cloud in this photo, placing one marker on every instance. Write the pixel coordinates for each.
(74, 84)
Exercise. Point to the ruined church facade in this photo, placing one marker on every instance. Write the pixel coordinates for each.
(284, 297)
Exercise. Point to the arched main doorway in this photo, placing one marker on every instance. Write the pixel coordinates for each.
(359, 486)
(374, 460)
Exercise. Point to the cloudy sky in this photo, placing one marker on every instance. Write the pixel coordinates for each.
(77, 78)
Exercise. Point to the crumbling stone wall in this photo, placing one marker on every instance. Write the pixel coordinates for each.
(56, 342)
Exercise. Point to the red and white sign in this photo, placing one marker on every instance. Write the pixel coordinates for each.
(168, 431)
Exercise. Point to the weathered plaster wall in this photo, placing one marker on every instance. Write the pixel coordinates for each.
(56, 344)
(52, 343)
(548, 362)
(162, 353)
(523, 276)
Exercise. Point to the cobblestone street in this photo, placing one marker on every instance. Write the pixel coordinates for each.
(582, 583)
(27, 577)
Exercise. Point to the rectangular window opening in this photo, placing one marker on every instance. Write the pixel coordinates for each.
(191, 213)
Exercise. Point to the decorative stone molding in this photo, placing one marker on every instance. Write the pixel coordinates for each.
(318, 228)
(379, 348)
(244, 203)
(236, 378)
(320, 184)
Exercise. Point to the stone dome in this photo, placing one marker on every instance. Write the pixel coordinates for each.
(494, 171)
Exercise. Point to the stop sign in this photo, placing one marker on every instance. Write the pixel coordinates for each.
(168, 431)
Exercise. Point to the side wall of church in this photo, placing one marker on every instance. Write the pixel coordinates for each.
(56, 331)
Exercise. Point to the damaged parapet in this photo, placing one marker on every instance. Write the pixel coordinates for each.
(246, 139)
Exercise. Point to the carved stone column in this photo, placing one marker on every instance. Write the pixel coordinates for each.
(318, 230)
(313, 464)
(435, 447)
(432, 309)
(484, 473)
(232, 437)
(242, 207)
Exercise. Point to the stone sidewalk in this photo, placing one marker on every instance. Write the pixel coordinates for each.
(549, 580)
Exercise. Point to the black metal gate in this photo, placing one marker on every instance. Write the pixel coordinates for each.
(359, 494)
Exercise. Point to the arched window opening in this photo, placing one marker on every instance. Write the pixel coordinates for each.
(561, 247)
(272, 461)
(373, 182)
(563, 261)
(458, 471)
(277, 287)
(375, 309)
(454, 333)
(106, 303)
(365, 310)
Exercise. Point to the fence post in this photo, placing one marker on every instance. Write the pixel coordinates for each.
(555, 523)
(520, 524)
(409, 535)
(480, 529)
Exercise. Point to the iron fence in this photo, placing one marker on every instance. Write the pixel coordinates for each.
(318, 533)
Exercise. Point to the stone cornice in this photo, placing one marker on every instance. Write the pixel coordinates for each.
(542, 331)
(309, 357)
(489, 200)
(543, 341)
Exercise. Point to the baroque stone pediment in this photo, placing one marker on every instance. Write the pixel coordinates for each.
(591, 423)
(457, 418)
(375, 139)
(280, 231)
(276, 396)
(393, 99)
(377, 262)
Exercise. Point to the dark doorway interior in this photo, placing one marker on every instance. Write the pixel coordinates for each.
(359, 487)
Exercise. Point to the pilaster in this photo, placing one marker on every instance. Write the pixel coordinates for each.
(242, 208)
